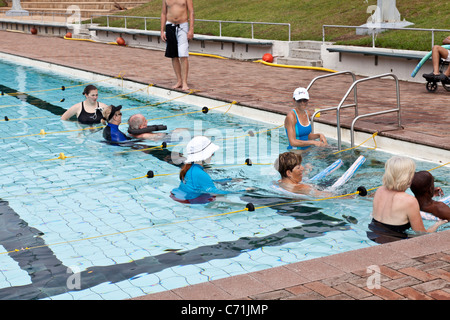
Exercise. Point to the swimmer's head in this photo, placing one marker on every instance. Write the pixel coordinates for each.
(287, 161)
(422, 183)
(110, 111)
(398, 174)
(301, 95)
(200, 148)
(89, 88)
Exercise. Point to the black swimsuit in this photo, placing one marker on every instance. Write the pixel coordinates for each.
(383, 233)
(90, 118)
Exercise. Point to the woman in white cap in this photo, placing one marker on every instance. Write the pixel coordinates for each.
(298, 126)
(196, 185)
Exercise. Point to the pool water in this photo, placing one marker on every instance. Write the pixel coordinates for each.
(93, 226)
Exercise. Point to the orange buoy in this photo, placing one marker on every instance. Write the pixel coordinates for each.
(267, 58)
(120, 41)
(33, 30)
(68, 35)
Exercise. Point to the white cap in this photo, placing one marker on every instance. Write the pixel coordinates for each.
(301, 93)
(200, 148)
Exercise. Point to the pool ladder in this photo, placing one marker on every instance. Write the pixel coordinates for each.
(341, 105)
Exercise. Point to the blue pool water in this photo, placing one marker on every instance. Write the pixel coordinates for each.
(93, 226)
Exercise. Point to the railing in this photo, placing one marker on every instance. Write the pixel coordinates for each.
(220, 22)
(333, 108)
(338, 121)
(376, 30)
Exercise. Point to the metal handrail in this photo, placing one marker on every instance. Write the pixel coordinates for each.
(252, 23)
(375, 29)
(354, 84)
(332, 108)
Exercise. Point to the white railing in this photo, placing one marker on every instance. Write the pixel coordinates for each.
(375, 30)
(220, 22)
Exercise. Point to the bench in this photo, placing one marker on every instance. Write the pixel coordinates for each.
(240, 48)
(376, 53)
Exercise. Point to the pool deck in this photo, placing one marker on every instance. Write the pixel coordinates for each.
(417, 268)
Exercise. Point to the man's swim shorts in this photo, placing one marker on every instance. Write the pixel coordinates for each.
(177, 41)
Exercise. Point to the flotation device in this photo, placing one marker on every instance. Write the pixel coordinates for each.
(429, 216)
(336, 165)
(289, 194)
(148, 129)
(349, 173)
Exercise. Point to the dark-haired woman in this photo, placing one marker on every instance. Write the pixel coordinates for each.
(88, 111)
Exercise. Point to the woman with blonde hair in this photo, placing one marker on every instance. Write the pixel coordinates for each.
(395, 211)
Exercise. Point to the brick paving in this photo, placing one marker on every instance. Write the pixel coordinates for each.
(410, 269)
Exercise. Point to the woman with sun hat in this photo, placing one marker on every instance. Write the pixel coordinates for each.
(196, 185)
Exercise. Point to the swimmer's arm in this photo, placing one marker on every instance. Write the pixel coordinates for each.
(320, 136)
(163, 20)
(441, 210)
(73, 110)
(416, 220)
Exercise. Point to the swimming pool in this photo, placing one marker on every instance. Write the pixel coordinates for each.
(93, 226)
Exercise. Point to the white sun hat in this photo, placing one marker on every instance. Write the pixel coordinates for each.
(301, 93)
(200, 148)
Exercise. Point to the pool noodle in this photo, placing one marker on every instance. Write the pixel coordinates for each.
(429, 216)
(336, 165)
(349, 173)
(424, 59)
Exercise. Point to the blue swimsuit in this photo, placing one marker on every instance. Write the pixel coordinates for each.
(301, 132)
(112, 133)
(197, 183)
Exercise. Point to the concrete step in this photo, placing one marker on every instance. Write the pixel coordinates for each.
(305, 54)
(125, 2)
(87, 13)
(307, 44)
(87, 7)
(299, 62)
(103, 5)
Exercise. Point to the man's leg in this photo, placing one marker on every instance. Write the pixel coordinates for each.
(184, 62)
(436, 55)
(177, 68)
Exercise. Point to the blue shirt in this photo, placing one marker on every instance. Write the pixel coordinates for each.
(196, 183)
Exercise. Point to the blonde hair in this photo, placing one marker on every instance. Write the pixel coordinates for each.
(398, 174)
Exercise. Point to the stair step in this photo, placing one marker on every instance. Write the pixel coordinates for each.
(299, 62)
(308, 44)
(305, 54)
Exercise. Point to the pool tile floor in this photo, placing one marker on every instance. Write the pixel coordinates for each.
(410, 269)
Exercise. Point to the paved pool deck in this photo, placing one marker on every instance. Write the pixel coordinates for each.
(410, 269)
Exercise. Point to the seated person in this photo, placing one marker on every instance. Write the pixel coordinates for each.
(196, 185)
(423, 188)
(395, 211)
(138, 128)
(113, 117)
(289, 165)
(439, 52)
(88, 111)
(298, 126)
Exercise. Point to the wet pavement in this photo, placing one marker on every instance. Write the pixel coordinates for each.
(417, 268)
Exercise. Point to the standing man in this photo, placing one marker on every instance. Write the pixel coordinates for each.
(175, 15)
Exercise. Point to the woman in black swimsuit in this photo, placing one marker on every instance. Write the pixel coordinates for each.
(88, 111)
(395, 211)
